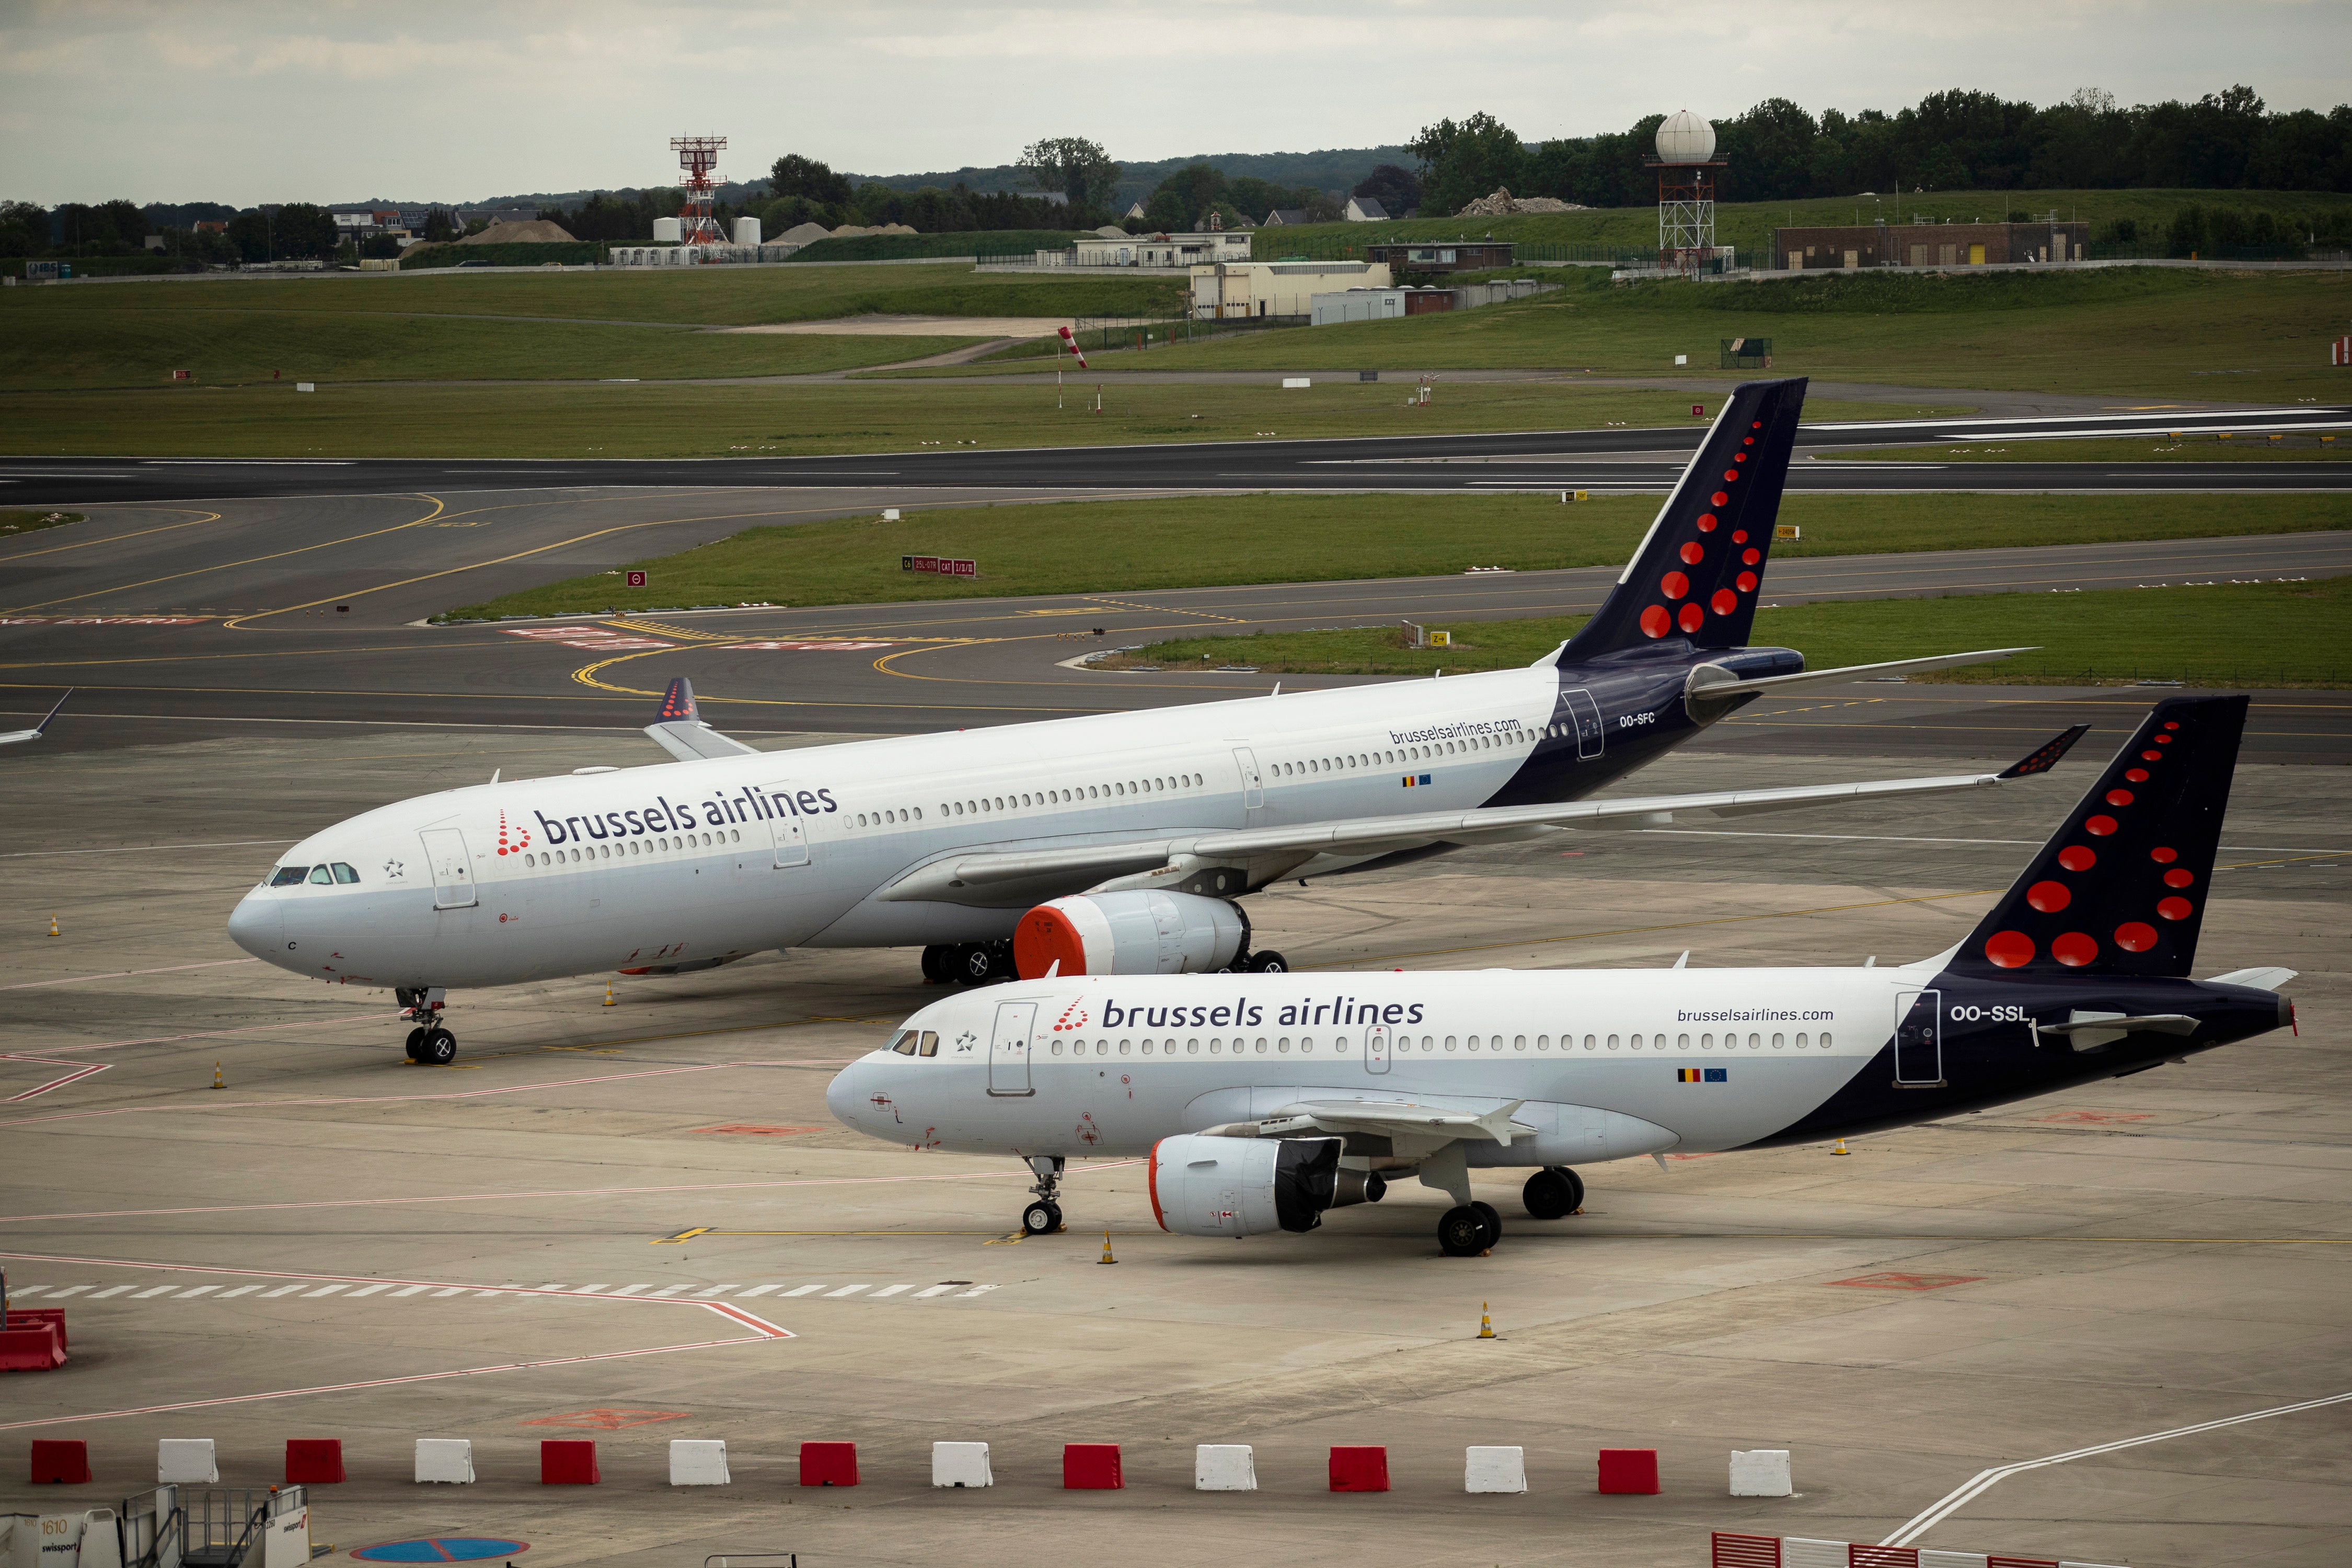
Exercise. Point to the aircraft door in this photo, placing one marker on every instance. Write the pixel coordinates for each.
(1582, 710)
(1376, 1048)
(1008, 1048)
(453, 869)
(1252, 785)
(1919, 1039)
(792, 835)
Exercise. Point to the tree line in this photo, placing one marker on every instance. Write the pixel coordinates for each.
(1957, 141)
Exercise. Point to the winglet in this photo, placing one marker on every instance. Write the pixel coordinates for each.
(52, 713)
(678, 727)
(2045, 758)
(678, 702)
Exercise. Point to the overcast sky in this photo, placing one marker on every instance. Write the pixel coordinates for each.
(252, 100)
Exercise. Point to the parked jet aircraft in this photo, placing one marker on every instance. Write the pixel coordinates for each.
(1264, 1101)
(1117, 843)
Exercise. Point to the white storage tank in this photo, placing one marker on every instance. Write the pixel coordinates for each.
(747, 231)
(667, 231)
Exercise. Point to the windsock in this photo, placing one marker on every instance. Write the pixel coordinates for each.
(1070, 340)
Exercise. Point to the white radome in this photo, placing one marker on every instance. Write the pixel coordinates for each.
(1684, 138)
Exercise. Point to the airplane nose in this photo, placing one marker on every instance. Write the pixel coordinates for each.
(842, 1095)
(258, 926)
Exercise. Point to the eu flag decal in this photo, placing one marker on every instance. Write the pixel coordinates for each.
(1413, 781)
(1702, 1075)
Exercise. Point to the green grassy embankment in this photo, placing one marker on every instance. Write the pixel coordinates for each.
(1080, 547)
(16, 522)
(2232, 633)
(355, 419)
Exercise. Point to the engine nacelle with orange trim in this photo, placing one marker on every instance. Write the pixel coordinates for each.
(1136, 932)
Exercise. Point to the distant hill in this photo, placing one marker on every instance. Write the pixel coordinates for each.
(1336, 169)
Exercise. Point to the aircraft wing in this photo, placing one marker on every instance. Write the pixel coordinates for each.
(678, 729)
(1004, 877)
(18, 737)
(1390, 1118)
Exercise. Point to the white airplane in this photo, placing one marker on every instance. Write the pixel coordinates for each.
(18, 737)
(1113, 844)
(1264, 1101)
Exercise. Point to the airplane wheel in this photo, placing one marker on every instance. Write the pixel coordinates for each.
(937, 962)
(1041, 1218)
(415, 1039)
(973, 964)
(437, 1048)
(1494, 1221)
(1575, 1187)
(1268, 963)
(1461, 1233)
(1548, 1194)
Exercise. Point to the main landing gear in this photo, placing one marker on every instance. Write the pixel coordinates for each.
(1043, 1217)
(428, 1042)
(968, 963)
(1257, 964)
(1469, 1229)
(1553, 1192)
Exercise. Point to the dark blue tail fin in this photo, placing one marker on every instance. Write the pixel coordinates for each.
(1699, 570)
(2121, 888)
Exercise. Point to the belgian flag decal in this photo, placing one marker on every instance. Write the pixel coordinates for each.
(1702, 1075)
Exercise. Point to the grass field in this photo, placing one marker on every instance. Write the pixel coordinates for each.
(688, 295)
(652, 420)
(1748, 224)
(2137, 333)
(2252, 448)
(2253, 634)
(141, 348)
(1073, 547)
(16, 522)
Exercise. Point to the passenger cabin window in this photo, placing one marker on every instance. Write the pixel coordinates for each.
(287, 876)
(347, 875)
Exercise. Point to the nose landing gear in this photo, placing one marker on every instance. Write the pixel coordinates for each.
(1043, 1217)
(428, 1042)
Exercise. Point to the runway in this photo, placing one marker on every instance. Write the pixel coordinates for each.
(225, 620)
(1607, 459)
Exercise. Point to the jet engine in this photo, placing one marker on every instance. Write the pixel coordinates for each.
(1136, 932)
(1204, 1186)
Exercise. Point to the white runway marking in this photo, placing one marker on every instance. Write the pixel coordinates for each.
(1985, 1481)
(394, 1290)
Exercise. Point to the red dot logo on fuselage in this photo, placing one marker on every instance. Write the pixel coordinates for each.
(512, 840)
(1074, 1017)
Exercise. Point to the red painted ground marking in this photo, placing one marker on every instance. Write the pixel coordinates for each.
(556, 1193)
(221, 1033)
(610, 1420)
(1896, 1281)
(2097, 1116)
(752, 1129)
(81, 1070)
(761, 1329)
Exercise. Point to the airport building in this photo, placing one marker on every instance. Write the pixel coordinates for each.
(1929, 245)
(1227, 290)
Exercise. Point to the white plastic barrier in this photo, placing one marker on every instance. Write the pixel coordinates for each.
(1760, 1472)
(696, 1463)
(444, 1459)
(961, 1465)
(1495, 1470)
(1951, 1559)
(183, 1461)
(1799, 1553)
(1224, 1468)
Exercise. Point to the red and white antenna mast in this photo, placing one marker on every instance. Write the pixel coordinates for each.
(697, 156)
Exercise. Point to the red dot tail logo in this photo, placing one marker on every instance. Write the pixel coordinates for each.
(1074, 1017)
(512, 840)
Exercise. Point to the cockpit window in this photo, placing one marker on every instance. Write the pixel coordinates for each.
(287, 876)
(905, 1044)
(321, 874)
(345, 874)
(930, 1042)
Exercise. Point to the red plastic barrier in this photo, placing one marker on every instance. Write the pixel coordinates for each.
(1090, 1466)
(34, 1349)
(314, 1461)
(567, 1462)
(1745, 1550)
(60, 1462)
(828, 1464)
(31, 1317)
(1359, 1469)
(1632, 1472)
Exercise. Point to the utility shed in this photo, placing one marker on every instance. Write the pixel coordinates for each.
(1231, 289)
(1928, 244)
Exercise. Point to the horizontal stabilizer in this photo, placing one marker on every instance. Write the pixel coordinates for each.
(1717, 682)
(678, 729)
(2268, 978)
(2089, 1031)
